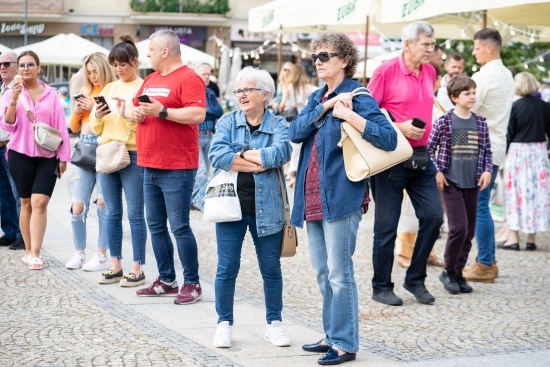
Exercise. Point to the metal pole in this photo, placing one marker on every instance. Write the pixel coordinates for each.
(280, 52)
(25, 41)
(484, 19)
(366, 49)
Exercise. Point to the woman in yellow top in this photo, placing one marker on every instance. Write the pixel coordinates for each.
(98, 74)
(109, 124)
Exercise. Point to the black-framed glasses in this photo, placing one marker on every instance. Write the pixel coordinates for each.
(7, 64)
(245, 91)
(323, 56)
(29, 65)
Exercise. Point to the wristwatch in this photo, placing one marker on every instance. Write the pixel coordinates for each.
(163, 113)
(242, 153)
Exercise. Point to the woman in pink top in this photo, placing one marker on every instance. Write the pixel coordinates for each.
(33, 168)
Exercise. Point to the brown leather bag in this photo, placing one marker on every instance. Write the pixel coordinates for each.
(289, 242)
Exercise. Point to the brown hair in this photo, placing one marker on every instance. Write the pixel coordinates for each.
(454, 56)
(343, 46)
(124, 51)
(31, 54)
(491, 35)
(459, 84)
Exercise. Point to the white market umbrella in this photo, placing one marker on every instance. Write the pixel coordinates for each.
(236, 66)
(189, 56)
(4, 48)
(223, 71)
(374, 63)
(63, 49)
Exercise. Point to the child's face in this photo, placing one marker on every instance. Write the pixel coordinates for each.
(466, 98)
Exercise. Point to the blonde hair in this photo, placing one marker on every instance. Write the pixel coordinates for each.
(297, 77)
(280, 78)
(106, 73)
(526, 84)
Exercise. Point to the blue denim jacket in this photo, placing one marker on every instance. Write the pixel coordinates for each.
(340, 197)
(232, 134)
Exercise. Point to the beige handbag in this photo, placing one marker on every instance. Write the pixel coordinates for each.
(45, 136)
(289, 242)
(112, 156)
(361, 158)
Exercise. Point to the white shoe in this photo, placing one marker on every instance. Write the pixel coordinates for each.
(76, 261)
(222, 339)
(98, 263)
(275, 334)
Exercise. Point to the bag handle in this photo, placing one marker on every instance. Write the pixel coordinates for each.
(27, 108)
(285, 202)
(360, 91)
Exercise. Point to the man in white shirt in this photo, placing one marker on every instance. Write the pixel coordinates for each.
(495, 94)
(454, 66)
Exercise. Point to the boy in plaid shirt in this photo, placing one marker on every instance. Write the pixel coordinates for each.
(464, 165)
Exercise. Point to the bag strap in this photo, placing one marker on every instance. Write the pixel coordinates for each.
(128, 136)
(285, 202)
(26, 107)
(360, 91)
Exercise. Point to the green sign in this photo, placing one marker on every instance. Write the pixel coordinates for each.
(411, 6)
(346, 10)
(268, 18)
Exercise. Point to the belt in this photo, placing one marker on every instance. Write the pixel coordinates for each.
(4, 144)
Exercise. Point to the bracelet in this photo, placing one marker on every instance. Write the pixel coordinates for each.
(241, 154)
(12, 103)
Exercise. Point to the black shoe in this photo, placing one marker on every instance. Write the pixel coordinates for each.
(316, 347)
(19, 244)
(332, 358)
(387, 298)
(5, 241)
(531, 246)
(511, 247)
(464, 287)
(449, 281)
(420, 293)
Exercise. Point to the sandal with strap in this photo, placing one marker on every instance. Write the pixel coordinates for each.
(27, 259)
(36, 263)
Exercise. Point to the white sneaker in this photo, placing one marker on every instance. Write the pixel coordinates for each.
(98, 263)
(222, 339)
(275, 334)
(76, 261)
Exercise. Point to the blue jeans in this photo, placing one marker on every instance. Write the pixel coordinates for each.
(387, 188)
(331, 248)
(230, 237)
(168, 197)
(485, 227)
(205, 137)
(129, 179)
(10, 206)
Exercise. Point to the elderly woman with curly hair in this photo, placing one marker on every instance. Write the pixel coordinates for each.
(332, 205)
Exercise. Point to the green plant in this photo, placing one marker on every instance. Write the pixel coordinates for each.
(181, 6)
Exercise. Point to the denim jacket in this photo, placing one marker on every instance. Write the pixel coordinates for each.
(340, 197)
(232, 134)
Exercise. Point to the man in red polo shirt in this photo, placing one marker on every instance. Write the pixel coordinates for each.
(167, 144)
(404, 86)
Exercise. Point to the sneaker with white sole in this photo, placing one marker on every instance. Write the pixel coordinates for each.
(275, 334)
(98, 263)
(224, 332)
(76, 261)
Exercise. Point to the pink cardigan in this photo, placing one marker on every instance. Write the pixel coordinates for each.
(48, 110)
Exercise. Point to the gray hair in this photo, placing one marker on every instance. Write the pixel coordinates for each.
(412, 32)
(167, 39)
(10, 53)
(204, 64)
(526, 84)
(261, 78)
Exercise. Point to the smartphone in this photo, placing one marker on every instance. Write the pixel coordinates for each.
(144, 98)
(56, 172)
(101, 100)
(418, 122)
(79, 95)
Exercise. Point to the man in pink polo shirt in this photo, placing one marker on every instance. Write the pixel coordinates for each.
(404, 86)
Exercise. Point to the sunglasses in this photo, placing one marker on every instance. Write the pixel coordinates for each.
(29, 66)
(7, 64)
(323, 56)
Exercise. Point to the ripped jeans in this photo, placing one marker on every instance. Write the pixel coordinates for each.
(83, 187)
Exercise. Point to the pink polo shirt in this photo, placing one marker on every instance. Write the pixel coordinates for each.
(48, 110)
(397, 89)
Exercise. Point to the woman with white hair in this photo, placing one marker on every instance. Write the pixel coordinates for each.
(254, 143)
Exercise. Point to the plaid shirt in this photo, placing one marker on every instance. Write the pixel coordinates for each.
(441, 136)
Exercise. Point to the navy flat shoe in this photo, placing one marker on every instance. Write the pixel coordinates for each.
(332, 358)
(316, 347)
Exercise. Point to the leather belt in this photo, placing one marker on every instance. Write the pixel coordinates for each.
(4, 144)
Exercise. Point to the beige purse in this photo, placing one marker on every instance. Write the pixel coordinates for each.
(289, 242)
(361, 158)
(112, 156)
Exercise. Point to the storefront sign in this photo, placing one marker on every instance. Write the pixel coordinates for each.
(97, 29)
(20, 28)
(186, 32)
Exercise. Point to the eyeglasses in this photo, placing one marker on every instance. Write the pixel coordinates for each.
(323, 56)
(245, 91)
(29, 66)
(7, 64)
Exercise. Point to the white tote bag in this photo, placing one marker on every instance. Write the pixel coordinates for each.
(221, 203)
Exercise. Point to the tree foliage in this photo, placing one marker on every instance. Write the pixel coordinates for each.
(181, 6)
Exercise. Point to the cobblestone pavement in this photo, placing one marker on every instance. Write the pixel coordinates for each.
(55, 318)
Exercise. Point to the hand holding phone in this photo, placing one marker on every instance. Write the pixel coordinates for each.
(100, 100)
(79, 95)
(144, 98)
(418, 122)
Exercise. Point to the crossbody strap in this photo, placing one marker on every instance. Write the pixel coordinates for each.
(360, 91)
(26, 107)
(285, 202)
